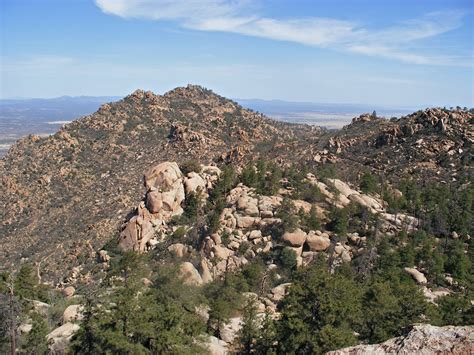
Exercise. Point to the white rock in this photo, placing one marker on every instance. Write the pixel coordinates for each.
(417, 275)
(190, 275)
(73, 312)
(229, 331)
(60, 338)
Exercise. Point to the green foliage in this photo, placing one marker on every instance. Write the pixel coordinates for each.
(136, 318)
(26, 282)
(368, 183)
(457, 263)
(311, 221)
(388, 308)
(287, 259)
(190, 166)
(339, 220)
(264, 177)
(265, 341)
(288, 215)
(224, 299)
(179, 234)
(318, 309)
(247, 335)
(310, 193)
(456, 309)
(35, 342)
(192, 207)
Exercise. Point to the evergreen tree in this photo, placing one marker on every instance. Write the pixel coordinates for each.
(287, 213)
(36, 343)
(247, 335)
(26, 282)
(368, 183)
(318, 309)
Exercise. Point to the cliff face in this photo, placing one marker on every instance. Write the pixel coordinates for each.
(422, 339)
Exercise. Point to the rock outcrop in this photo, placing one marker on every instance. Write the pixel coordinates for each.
(165, 190)
(60, 338)
(422, 339)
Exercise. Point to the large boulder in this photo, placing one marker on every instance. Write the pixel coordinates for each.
(279, 291)
(302, 205)
(248, 206)
(41, 307)
(165, 190)
(222, 252)
(206, 274)
(268, 204)
(193, 182)
(68, 291)
(162, 176)
(189, 274)
(417, 275)
(178, 249)
(137, 232)
(422, 339)
(215, 346)
(245, 221)
(367, 202)
(60, 338)
(229, 331)
(73, 313)
(317, 242)
(296, 238)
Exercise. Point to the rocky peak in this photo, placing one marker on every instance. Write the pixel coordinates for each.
(365, 117)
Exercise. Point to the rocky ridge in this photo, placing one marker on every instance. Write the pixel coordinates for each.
(65, 195)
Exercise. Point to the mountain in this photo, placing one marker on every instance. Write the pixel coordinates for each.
(188, 216)
(88, 174)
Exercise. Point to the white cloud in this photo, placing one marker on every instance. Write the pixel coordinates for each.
(235, 16)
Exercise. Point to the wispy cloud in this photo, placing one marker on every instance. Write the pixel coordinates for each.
(398, 42)
(36, 63)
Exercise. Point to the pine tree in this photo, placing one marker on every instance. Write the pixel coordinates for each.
(36, 343)
(26, 282)
(248, 334)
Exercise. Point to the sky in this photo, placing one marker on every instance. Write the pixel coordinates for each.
(401, 53)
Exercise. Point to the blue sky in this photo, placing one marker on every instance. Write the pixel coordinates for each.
(390, 52)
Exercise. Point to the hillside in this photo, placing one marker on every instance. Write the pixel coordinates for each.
(188, 216)
(434, 144)
(63, 196)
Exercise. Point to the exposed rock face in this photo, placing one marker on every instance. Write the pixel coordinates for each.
(189, 274)
(69, 291)
(229, 330)
(431, 144)
(216, 346)
(422, 339)
(165, 190)
(279, 291)
(137, 232)
(73, 313)
(194, 182)
(417, 275)
(60, 337)
(318, 242)
(296, 238)
(178, 249)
